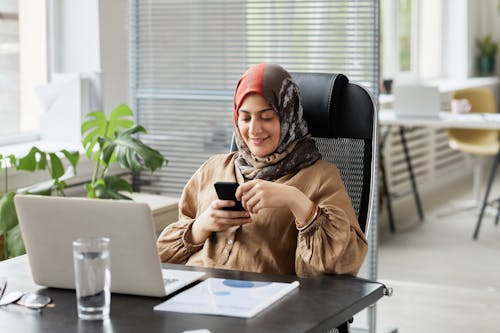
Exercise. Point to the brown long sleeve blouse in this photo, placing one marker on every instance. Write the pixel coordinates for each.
(333, 243)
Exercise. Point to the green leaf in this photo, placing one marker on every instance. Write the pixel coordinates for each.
(107, 153)
(30, 161)
(94, 126)
(133, 154)
(13, 160)
(97, 126)
(45, 187)
(90, 191)
(8, 214)
(120, 118)
(56, 166)
(109, 188)
(117, 183)
(4, 160)
(72, 157)
(61, 185)
(15, 243)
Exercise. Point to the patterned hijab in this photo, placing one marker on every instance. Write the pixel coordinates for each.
(296, 148)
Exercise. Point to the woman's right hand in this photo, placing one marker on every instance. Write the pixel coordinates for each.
(215, 219)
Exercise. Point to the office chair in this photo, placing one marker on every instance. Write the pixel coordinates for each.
(341, 118)
(477, 142)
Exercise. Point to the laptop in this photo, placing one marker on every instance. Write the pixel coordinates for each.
(417, 101)
(49, 225)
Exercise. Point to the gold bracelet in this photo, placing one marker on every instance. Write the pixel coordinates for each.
(312, 216)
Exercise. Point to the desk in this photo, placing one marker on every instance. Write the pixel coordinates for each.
(387, 117)
(318, 305)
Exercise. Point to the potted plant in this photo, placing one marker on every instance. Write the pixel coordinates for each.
(107, 140)
(11, 243)
(487, 51)
(114, 140)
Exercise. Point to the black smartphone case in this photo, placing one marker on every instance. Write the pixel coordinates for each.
(226, 191)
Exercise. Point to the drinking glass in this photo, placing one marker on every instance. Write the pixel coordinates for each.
(92, 277)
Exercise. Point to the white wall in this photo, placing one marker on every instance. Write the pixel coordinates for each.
(457, 62)
(91, 36)
(32, 60)
(430, 33)
(76, 36)
(113, 36)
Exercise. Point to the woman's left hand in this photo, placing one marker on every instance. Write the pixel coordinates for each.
(258, 194)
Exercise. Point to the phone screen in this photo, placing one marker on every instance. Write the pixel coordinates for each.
(227, 191)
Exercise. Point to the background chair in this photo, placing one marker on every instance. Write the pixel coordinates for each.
(341, 118)
(477, 142)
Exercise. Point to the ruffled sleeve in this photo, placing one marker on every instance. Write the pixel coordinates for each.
(172, 244)
(334, 242)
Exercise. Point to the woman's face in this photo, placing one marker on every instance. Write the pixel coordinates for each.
(259, 125)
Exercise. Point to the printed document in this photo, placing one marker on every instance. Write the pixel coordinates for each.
(235, 298)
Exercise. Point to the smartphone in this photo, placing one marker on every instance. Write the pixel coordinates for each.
(227, 191)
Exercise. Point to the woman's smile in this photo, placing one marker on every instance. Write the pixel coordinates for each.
(259, 141)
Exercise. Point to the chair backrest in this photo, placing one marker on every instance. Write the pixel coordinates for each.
(481, 100)
(341, 118)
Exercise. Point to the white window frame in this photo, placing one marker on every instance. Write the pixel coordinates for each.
(428, 49)
(391, 48)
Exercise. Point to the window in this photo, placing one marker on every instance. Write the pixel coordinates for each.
(405, 35)
(23, 66)
(186, 58)
(412, 38)
(399, 38)
(9, 67)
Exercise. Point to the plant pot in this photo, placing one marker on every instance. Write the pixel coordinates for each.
(486, 65)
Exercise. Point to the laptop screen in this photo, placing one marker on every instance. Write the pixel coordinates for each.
(417, 101)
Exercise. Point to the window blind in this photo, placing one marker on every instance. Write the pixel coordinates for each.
(187, 56)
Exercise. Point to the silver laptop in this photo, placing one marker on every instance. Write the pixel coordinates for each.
(50, 224)
(416, 101)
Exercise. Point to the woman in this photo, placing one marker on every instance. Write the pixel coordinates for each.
(299, 218)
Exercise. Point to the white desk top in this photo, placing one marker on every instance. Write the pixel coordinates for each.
(388, 117)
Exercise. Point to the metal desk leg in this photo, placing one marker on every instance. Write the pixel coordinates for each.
(485, 201)
(385, 188)
(410, 172)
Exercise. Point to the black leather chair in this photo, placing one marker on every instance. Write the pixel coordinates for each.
(341, 117)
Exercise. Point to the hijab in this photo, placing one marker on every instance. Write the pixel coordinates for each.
(296, 148)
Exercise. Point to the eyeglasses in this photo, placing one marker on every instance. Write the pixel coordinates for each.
(34, 301)
(29, 300)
